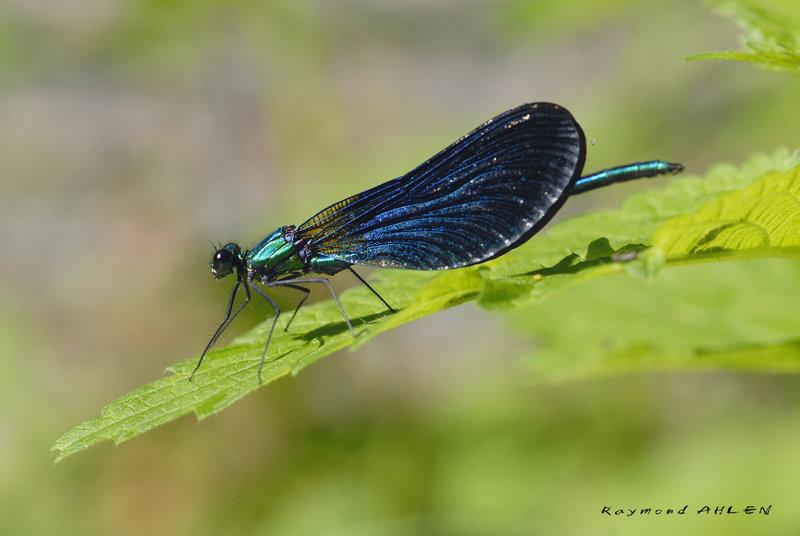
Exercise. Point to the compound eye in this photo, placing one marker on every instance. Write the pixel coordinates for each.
(222, 263)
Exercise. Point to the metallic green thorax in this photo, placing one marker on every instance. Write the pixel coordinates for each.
(284, 253)
(273, 257)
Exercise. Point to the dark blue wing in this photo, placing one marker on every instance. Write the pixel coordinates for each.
(485, 194)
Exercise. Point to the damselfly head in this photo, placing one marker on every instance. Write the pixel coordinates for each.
(225, 260)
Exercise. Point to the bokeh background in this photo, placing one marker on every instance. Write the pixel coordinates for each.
(132, 132)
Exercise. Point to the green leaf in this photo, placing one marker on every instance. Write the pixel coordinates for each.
(772, 34)
(762, 220)
(734, 316)
(692, 219)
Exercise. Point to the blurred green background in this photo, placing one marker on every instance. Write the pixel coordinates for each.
(132, 132)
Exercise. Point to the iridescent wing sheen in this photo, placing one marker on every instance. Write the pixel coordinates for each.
(485, 194)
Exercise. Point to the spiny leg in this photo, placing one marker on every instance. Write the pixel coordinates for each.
(271, 329)
(226, 321)
(370, 288)
(299, 305)
(291, 282)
